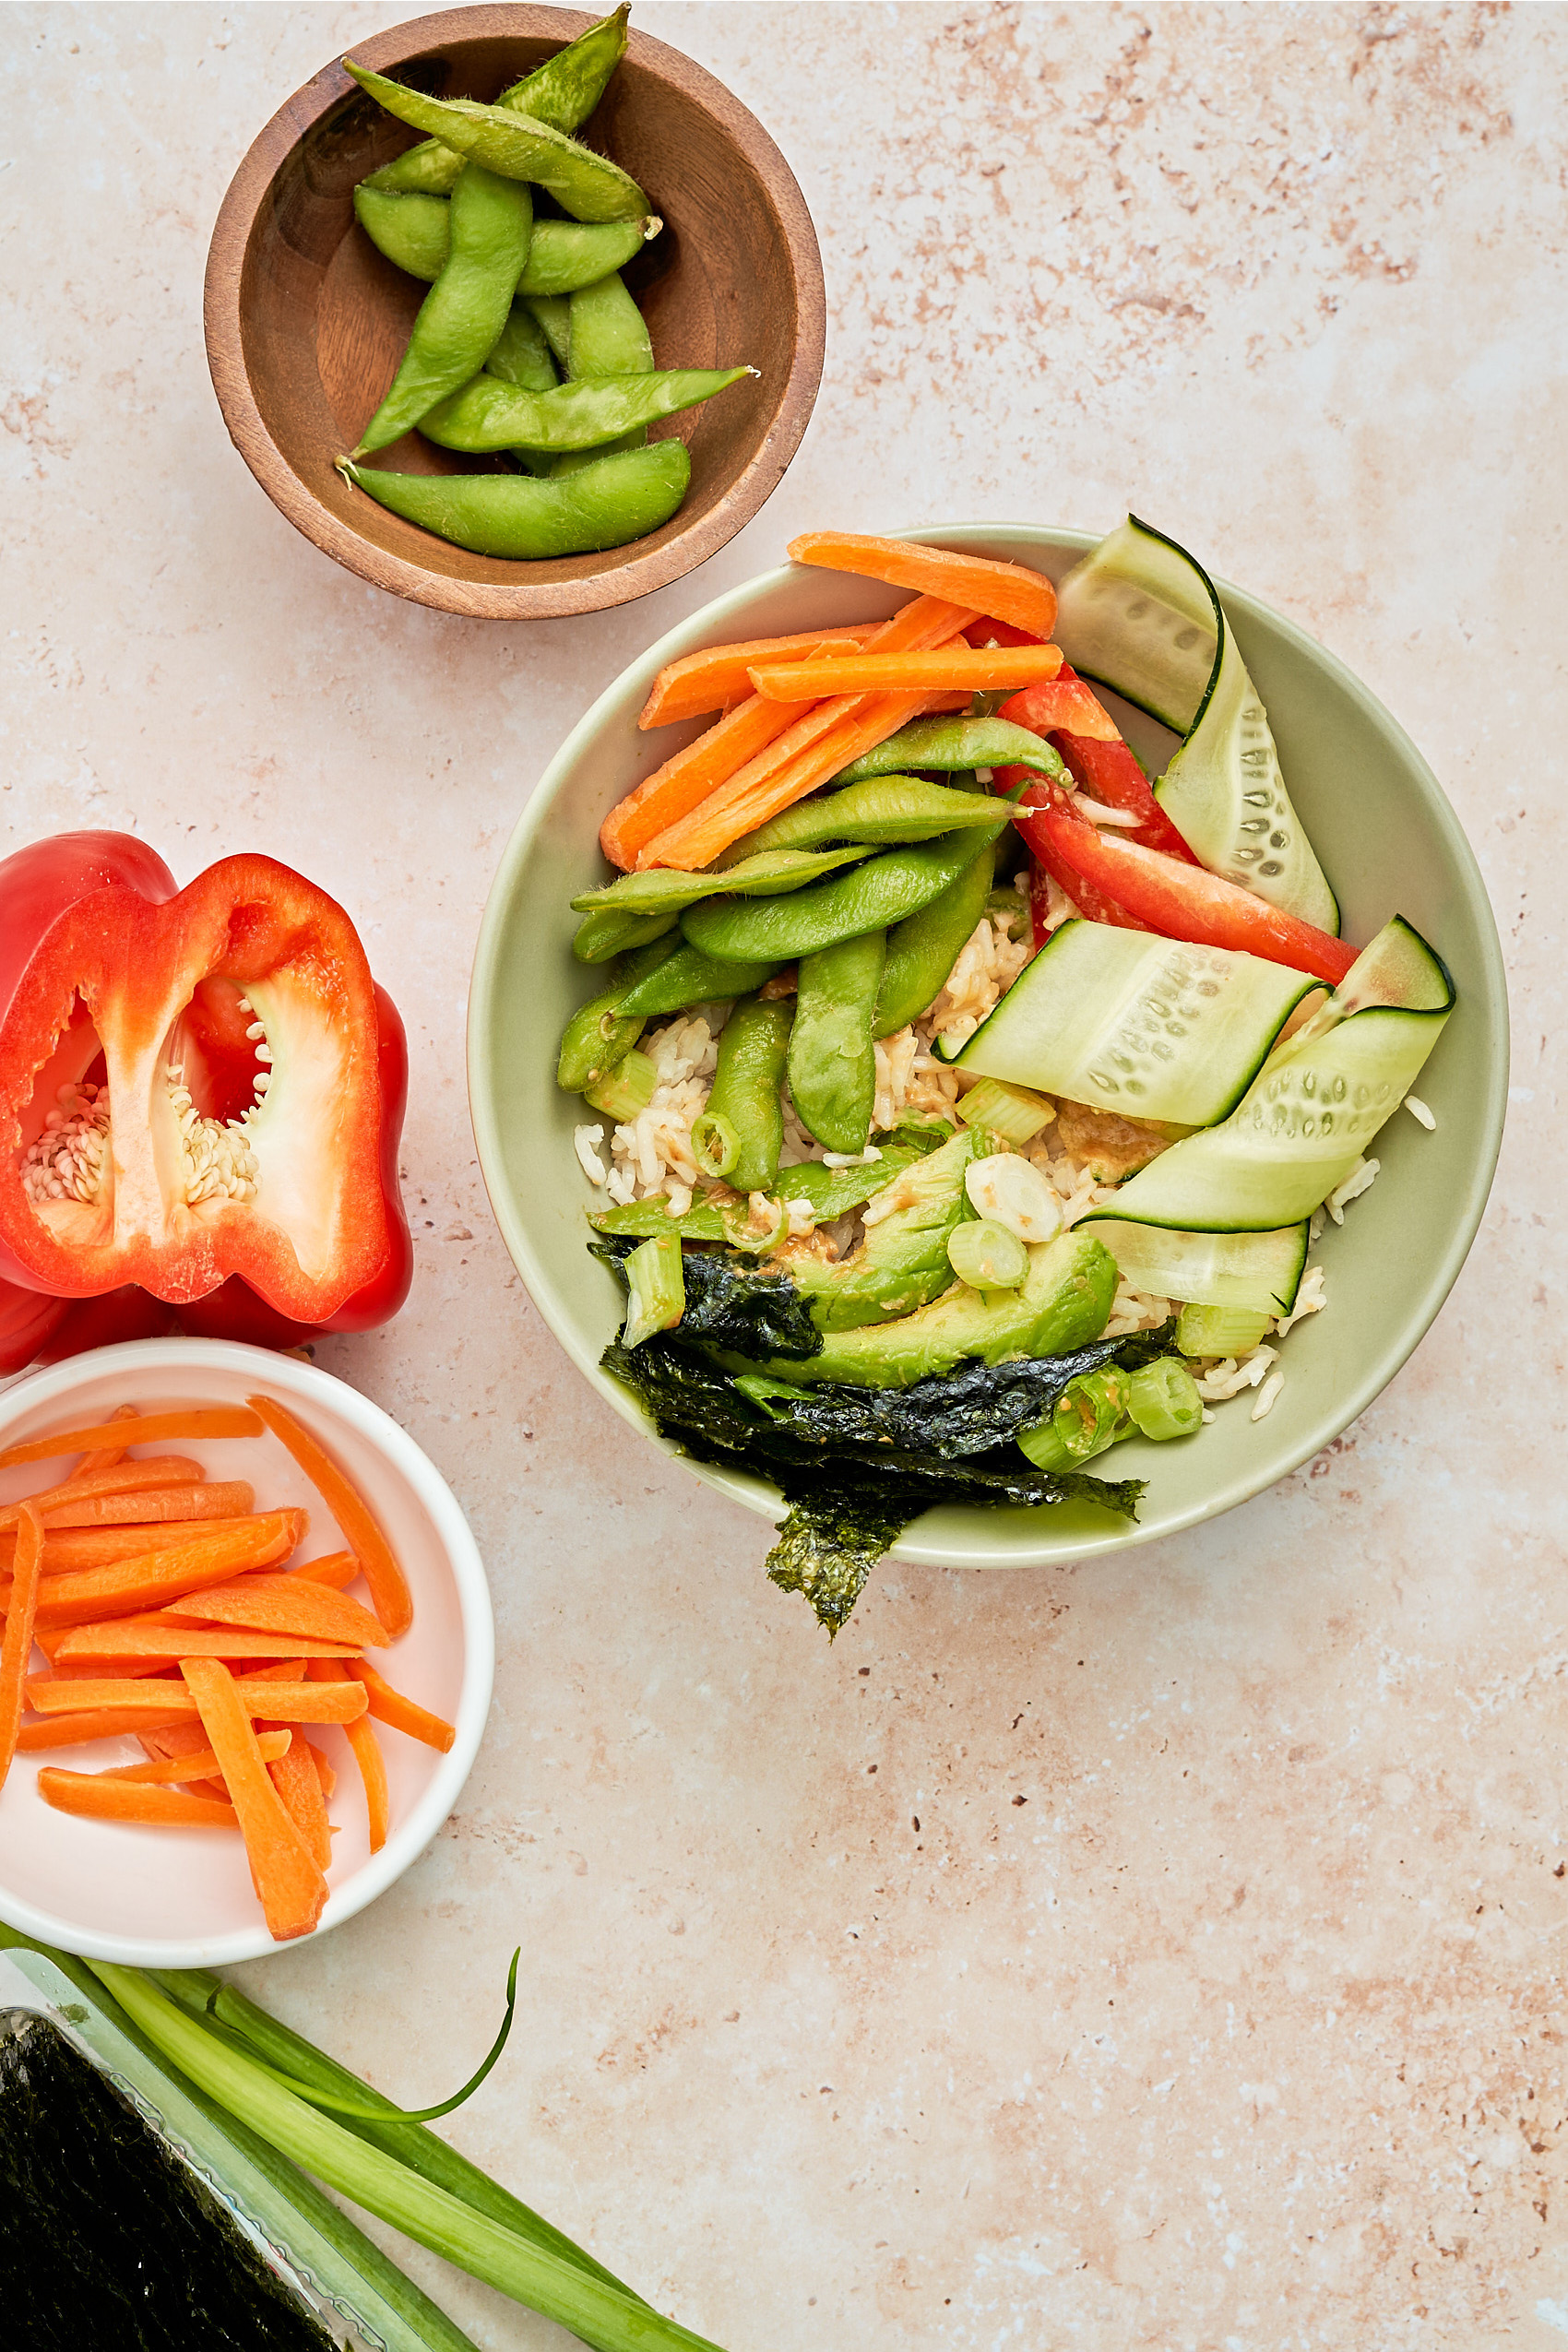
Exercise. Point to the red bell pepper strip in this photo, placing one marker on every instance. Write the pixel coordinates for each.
(1104, 766)
(1180, 901)
(197, 1192)
(1081, 894)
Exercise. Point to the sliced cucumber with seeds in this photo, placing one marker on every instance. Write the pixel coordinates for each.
(1256, 1274)
(1148, 1027)
(1142, 616)
(1314, 1107)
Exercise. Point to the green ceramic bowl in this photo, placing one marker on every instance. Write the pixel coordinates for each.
(1390, 843)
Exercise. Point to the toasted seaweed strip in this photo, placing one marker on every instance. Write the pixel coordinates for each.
(732, 1304)
(106, 2237)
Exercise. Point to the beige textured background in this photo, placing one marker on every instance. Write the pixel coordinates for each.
(1164, 1956)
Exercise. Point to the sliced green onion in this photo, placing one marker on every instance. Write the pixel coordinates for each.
(1163, 1399)
(714, 1143)
(1015, 1114)
(986, 1256)
(1015, 1193)
(1218, 1331)
(605, 2316)
(627, 1090)
(1091, 1413)
(658, 1289)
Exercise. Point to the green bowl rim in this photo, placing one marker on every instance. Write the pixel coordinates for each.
(758, 1494)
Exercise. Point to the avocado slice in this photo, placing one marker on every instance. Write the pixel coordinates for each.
(902, 1262)
(1062, 1303)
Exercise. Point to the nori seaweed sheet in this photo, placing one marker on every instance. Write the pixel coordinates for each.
(110, 2243)
(729, 1304)
(845, 1508)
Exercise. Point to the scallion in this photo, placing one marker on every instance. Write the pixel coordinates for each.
(714, 1143)
(1091, 1413)
(656, 1287)
(626, 1089)
(1218, 1331)
(986, 1256)
(1163, 1399)
(1015, 1114)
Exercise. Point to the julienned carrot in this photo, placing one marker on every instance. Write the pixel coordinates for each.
(390, 1706)
(73, 1547)
(209, 1558)
(105, 1457)
(157, 1635)
(137, 1428)
(233, 1499)
(389, 1592)
(961, 668)
(337, 1568)
(367, 1755)
(323, 1771)
(747, 740)
(284, 1604)
(199, 1762)
(96, 1797)
(1006, 591)
(126, 1477)
(709, 680)
(751, 798)
(293, 1774)
(146, 1706)
(17, 1648)
(289, 1883)
(98, 1723)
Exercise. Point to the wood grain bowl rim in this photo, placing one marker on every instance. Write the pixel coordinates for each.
(619, 583)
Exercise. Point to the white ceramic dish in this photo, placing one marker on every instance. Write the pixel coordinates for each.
(183, 1899)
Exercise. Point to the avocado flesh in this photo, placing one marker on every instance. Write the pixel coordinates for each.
(1062, 1303)
(902, 1262)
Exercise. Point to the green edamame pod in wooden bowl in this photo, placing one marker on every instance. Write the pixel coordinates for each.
(310, 314)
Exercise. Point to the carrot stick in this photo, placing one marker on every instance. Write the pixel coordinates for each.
(688, 777)
(146, 1707)
(73, 1547)
(748, 738)
(199, 1762)
(125, 1479)
(105, 1457)
(324, 1772)
(97, 1723)
(16, 1647)
(389, 1592)
(390, 1706)
(284, 1604)
(709, 680)
(99, 1798)
(966, 668)
(294, 1777)
(753, 796)
(209, 1558)
(157, 1635)
(1004, 591)
(287, 1882)
(139, 1428)
(367, 1755)
(233, 1499)
(337, 1568)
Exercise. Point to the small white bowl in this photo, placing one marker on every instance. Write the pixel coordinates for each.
(183, 1898)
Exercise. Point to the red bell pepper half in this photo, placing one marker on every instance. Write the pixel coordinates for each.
(1163, 895)
(201, 1093)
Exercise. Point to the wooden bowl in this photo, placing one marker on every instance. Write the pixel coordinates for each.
(306, 322)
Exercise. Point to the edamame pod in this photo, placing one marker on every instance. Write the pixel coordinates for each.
(621, 498)
(690, 978)
(747, 1089)
(553, 313)
(832, 1057)
(612, 932)
(516, 147)
(563, 92)
(465, 311)
(922, 950)
(414, 232)
(949, 744)
(885, 890)
(894, 808)
(666, 890)
(522, 356)
(487, 414)
(600, 1035)
(608, 338)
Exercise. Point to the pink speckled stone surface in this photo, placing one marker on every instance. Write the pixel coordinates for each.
(1158, 1956)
